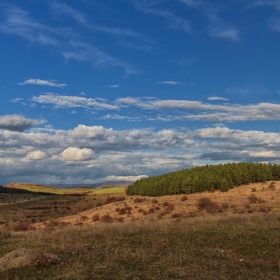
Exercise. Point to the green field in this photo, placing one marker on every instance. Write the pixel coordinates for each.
(101, 191)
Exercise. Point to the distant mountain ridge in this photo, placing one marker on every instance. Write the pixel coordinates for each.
(96, 185)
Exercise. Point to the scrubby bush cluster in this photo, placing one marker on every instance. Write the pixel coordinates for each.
(205, 178)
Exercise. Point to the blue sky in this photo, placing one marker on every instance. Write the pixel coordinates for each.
(121, 89)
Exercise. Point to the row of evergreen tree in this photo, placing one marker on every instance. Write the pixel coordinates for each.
(205, 178)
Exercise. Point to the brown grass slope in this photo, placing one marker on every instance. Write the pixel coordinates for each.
(233, 235)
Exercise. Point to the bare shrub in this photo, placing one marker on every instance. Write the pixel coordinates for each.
(184, 198)
(176, 215)
(110, 199)
(52, 223)
(154, 201)
(21, 226)
(84, 217)
(120, 198)
(206, 204)
(253, 199)
(254, 189)
(264, 209)
(151, 210)
(169, 208)
(165, 203)
(95, 218)
(272, 186)
(105, 219)
(119, 219)
(125, 210)
(138, 200)
(161, 214)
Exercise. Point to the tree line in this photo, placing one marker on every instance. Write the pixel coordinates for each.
(205, 178)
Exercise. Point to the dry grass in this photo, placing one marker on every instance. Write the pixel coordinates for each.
(211, 247)
(233, 235)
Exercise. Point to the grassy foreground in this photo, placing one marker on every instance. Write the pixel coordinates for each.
(244, 246)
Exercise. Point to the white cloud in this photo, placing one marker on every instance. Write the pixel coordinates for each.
(75, 154)
(223, 31)
(207, 112)
(112, 86)
(123, 152)
(65, 101)
(217, 98)
(170, 83)
(17, 122)
(124, 178)
(40, 82)
(35, 155)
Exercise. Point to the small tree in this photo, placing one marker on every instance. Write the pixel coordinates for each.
(224, 185)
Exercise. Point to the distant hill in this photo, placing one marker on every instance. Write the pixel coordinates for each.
(96, 185)
(7, 189)
(72, 186)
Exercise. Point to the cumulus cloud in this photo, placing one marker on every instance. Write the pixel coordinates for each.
(17, 122)
(40, 82)
(35, 155)
(75, 154)
(47, 156)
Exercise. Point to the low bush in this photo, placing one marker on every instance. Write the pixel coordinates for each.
(169, 208)
(105, 219)
(138, 200)
(176, 215)
(254, 199)
(95, 218)
(184, 198)
(21, 226)
(206, 204)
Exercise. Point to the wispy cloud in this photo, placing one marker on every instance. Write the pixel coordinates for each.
(17, 122)
(18, 22)
(89, 53)
(63, 8)
(217, 98)
(173, 83)
(64, 101)
(175, 21)
(217, 26)
(221, 30)
(206, 112)
(112, 86)
(40, 82)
